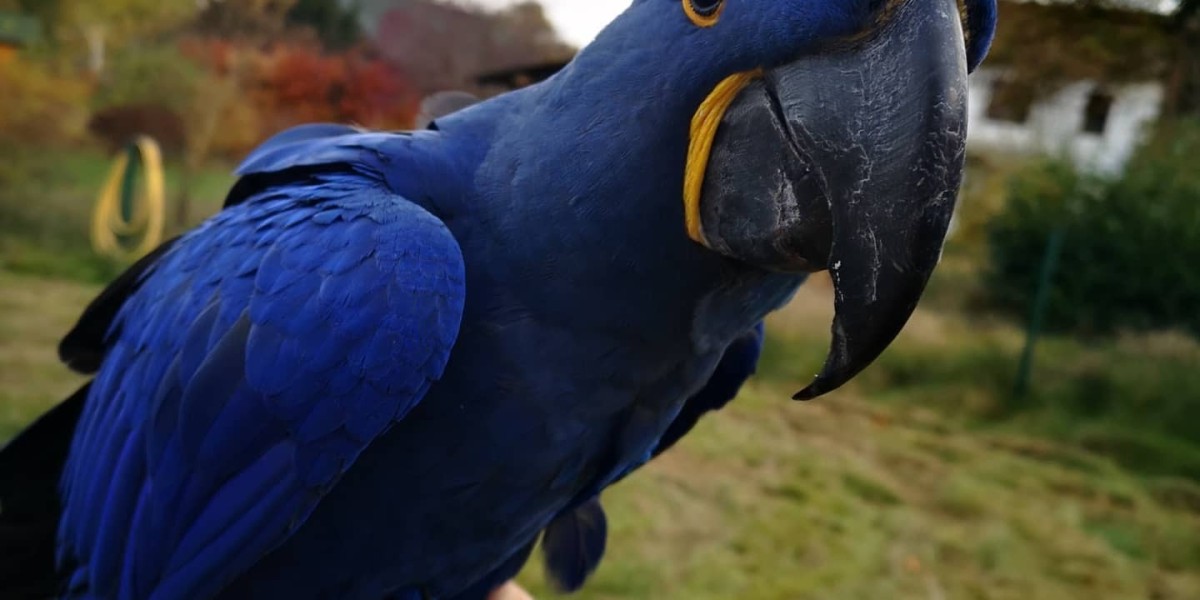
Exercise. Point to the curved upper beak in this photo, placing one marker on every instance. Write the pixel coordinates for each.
(848, 159)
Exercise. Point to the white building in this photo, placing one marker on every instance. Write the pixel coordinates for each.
(1096, 127)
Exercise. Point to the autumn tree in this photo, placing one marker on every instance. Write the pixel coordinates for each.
(301, 85)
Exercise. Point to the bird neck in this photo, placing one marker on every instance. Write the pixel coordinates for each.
(579, 183)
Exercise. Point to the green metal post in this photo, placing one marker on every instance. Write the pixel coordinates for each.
(129, 181)
(1054, 248)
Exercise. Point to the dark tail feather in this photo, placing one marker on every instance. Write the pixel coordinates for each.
(30, 468)
(84, 346)
(573, 545)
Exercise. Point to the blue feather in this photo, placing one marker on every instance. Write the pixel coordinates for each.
(574, 542)
(573, 545)
(245, 432)
(738, 364)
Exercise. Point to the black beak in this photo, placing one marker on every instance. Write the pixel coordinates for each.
(850, 160)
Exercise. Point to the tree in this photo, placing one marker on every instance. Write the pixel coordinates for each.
(1132, 242)
(1183, 95)
(302, 85)
(136, 76)
(522, 34)
(94, 29)
(129, 20)
(250, 20)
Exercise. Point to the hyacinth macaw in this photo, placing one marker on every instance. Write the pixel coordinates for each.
(394, 359)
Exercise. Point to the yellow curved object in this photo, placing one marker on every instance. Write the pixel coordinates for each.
(149, 207)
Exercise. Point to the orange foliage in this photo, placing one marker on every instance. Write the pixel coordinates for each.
(375, 94)
(301, 85)
(289, 84)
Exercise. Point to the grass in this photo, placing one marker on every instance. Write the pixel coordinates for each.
(908, 484)
(34, 314)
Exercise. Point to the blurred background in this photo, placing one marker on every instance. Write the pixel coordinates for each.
(1034, 432)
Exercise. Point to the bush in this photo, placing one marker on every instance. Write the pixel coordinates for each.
(160, 75)
(40, 105)
(116, 126)
(1132, 254)
(303, 85)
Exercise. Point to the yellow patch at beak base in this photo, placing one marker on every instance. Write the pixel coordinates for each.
(703, 132)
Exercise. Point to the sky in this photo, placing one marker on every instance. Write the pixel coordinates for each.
(578, 21)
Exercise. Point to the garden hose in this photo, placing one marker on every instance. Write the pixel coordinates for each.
(127, 225)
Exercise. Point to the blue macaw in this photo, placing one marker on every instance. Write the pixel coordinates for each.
(394, 359)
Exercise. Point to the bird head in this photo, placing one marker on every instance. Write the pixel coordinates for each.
(826, 135)
(799, 135)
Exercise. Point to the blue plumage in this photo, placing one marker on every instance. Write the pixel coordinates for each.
(394, 359)
(245, 430)
(574, 544)
(737, 365)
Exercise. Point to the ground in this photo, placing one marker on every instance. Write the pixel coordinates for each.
(897, 487)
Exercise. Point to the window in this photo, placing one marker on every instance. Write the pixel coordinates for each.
(1095, 114)
(1010, 102)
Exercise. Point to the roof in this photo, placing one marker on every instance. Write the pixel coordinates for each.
(17, 29)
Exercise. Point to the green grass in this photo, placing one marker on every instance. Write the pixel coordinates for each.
(34, 314)
(846, 499)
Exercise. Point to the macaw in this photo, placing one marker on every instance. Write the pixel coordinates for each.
(394, 359)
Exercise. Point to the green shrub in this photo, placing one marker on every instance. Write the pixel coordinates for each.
(1132, 254)
(156, 74)
(40, 106)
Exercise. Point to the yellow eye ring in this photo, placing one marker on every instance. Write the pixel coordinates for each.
(703, 13)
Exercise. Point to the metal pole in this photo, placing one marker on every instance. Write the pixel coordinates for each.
(128, 182)
(1041, 298)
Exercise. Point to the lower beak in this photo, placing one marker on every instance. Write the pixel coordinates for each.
(850, 160)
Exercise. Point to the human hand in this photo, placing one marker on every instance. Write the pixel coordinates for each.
(510, 591)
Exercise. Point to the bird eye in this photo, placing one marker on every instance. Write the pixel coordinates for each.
(703, 13)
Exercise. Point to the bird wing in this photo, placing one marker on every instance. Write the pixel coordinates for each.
(245, 374)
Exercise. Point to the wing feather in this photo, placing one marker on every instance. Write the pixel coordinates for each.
(245, 373)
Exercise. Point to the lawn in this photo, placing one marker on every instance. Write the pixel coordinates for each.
(922, 480)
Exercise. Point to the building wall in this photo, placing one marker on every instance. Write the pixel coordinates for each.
(1055, 124)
